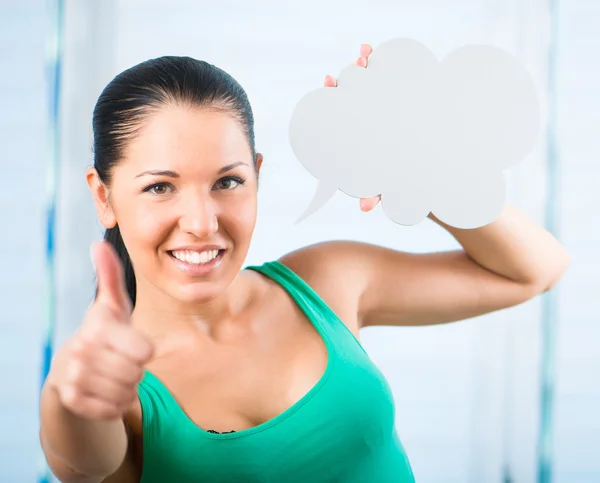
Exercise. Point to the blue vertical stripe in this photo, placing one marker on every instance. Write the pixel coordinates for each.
(549, 299)
(53, 76)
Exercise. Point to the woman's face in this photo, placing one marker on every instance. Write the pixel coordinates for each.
(185, 200)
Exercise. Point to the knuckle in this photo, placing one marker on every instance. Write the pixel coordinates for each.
(148, 348)
(139, 349)
(94, 332)
(146, 352)
(70, 396)
(76, 373)
(79, 348)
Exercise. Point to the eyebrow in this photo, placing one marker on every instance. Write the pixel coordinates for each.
(167, 173)
(229, 167)
(173, 174)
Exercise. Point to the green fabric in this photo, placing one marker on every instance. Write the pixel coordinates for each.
(341, 431)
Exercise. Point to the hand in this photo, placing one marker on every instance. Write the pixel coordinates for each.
(97, 371)
(366, 204)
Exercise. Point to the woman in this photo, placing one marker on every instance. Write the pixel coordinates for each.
(188, 369)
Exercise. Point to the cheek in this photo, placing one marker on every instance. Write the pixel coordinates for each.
(238, 218)
(146, 224)
(143, 225)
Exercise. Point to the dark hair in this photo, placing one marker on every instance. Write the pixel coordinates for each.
(141, 90)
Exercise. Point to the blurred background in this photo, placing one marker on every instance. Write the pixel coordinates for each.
(512, 397)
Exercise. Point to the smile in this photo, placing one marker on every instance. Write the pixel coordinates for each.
(197, 262)
(195, 258)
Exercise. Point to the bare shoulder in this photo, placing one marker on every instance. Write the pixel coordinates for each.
(342, 261)
(379, 286)
(325, 267)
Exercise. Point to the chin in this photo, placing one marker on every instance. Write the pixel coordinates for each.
(196, 283)
(198, 293)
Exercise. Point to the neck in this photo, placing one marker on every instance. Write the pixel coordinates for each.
(164, 318)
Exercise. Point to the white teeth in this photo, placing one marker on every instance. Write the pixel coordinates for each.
(196, 258)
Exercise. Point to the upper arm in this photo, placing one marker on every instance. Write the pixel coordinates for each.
(339, 287)
(390, 287)
(434, 288)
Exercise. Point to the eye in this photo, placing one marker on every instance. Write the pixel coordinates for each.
(158, 188)
(229, 183)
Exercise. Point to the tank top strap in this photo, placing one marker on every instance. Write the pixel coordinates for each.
(155, 401)
(325, 320)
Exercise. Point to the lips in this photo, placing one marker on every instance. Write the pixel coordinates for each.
(197, 262)
(195, 257)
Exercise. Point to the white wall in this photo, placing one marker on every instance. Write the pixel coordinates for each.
(22, 200)
(467, 394)
(448, 381)
(577, 419)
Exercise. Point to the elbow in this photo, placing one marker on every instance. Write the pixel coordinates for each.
(556, 269)
(562, 260)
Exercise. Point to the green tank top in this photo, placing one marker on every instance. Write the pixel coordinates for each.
(341, 431)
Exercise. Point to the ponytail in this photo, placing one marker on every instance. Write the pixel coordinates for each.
(113, 236)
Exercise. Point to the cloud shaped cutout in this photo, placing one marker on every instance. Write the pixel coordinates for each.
(428, 135)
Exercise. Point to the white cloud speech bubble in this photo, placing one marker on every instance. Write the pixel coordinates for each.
(428, 135)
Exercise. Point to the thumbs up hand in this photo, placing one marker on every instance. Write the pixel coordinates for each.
(97, 371)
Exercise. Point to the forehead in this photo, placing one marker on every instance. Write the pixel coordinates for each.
(176, 135)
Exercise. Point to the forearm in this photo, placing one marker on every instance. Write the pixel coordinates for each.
(515, 247)
(86, 447)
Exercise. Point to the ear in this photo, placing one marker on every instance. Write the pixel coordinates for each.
(100, 193)
(259, 161)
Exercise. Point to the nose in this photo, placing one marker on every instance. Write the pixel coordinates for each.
(199, 217)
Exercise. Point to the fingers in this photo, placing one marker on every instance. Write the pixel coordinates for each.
(97, 382)
(130, 344)
(92, 384)
(330, 81)
(362, 61)
(366, 204)
(115, 336)
(365, 51)
(98, 371)
(111, 277)
(88, 406)
(118, 367)
(369, 204)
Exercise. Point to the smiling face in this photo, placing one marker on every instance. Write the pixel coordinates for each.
(185, 199)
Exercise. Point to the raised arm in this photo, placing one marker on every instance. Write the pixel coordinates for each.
(501, 265)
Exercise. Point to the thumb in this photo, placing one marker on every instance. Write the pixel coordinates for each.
(111, 277)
